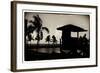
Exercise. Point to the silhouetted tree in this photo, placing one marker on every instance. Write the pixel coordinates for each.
(28, 30)
(25, 26)
(85, 44)
(48, 40)
(54, 40)
(37, 23)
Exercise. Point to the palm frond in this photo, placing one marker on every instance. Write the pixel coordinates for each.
(45, 28)
(30, 29)
(33, 23)
(39, 19)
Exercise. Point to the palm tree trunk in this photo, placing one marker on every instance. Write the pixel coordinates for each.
(53, 51)
(60, 46)
(48, 48)
(37, 45)
(38, 40)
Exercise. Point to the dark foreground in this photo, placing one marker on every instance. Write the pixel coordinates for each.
(31, 55)
(44, 56)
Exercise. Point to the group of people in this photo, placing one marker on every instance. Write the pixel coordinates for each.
(48, 39)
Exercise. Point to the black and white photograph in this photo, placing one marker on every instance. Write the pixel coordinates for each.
(52, 36)
(56, 36)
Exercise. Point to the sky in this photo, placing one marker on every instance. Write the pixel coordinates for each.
(53, 21)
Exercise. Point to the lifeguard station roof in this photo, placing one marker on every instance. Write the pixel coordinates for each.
(71, 27)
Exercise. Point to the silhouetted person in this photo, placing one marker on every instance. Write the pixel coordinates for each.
(48, 39)
(54, 40)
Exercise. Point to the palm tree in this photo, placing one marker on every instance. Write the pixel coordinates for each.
(29, 30)
(38, 27)
(25, 22)
(54, 40)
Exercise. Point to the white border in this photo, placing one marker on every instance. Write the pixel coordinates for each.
(61, 62)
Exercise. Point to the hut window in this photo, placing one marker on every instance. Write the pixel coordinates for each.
(73, 34)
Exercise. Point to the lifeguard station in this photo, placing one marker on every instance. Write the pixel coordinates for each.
(68, 42)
